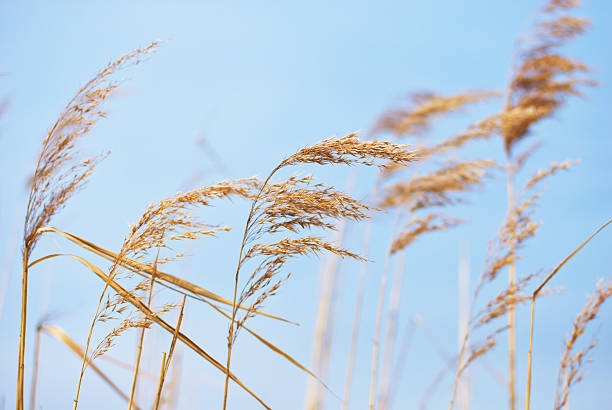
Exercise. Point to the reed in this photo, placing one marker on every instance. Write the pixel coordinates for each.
(59, 173)
(293, 205)
(441, 187)
(291, 216)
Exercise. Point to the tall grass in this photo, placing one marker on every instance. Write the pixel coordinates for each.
(291, 216)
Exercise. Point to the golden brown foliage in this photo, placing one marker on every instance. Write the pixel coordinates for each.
(518, 225)
(572, 361)
(164, 222)
(291, 206)
(416, 119)
(58, 172)
(419, 226)
(438, 187)
(298, 203)
(543, 77)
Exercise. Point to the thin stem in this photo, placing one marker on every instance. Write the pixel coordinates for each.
(400, 364)
(162, 375)
(463, 297)
(357, 320)
(85, 360)
(392, 328)
(435, 382)
(137, 303)
(166, 364)
(172, 282)
(511, 308)
(533, 297)
(230, 339)
(529, 355)
(381, 297)
(323, 333)
(464, 344)
(139, 354)
(35, 368)
(63, 337)
(22, 331)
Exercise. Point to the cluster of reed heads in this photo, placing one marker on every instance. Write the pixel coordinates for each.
(290, 217)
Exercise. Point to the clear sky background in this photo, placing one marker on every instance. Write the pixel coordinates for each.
(258, 81)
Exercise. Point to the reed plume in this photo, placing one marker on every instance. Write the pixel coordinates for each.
(504, 251)
(162, 223)
(573, 359)
(440, 187)
(293, 205)
(541, 82)
(590, 311)
(437, 188)
(60, 173)
(424, 107)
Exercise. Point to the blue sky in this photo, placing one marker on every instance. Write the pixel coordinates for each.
(259, 81)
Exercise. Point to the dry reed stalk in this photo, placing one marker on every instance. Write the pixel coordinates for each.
(503, 252)
(431, 388)
(542, 81)
(434, 189)
(379, 309)
(442, 186)
(357, 316)
(295, 204)
(463, 307)
(449, 361)
(260, 338)
(154, 317)
(35, 367)
(166, 361)
(167, 280)
(161, 223)
(400, 363)
(59, 334)
(141, 340)
(59, 174)
(174, 383)
(322, 339)
(161, 378)
(533, 298)
(272, 347)
(390, 338)
(511, 283)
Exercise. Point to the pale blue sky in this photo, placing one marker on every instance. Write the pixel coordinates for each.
(260, 81)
